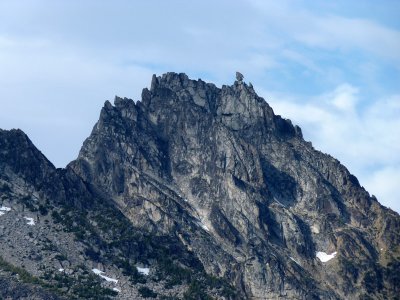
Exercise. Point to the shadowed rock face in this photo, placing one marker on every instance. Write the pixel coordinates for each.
(20, 156)
(62, 238)
(243, 191)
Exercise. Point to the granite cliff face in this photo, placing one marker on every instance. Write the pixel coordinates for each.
(243, 191)
(233, 188)
(62, 239)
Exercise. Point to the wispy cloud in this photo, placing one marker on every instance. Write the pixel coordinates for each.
(334, 32)
(385, 184)
(334, 70)
(366, 140)
(328, 31)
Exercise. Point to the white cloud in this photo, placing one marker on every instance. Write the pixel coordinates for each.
(344, 33)
(54, 93)
(301, 59)
(367, 141)
(344, 98)
(328, 31)
(385, 185)
(59, 61)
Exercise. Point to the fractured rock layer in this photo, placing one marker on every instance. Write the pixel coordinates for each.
(243, 191)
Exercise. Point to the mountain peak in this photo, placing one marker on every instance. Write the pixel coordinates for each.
(19, 157)
(171, 80)
(237, 106)
(217, 168)
(202, 190)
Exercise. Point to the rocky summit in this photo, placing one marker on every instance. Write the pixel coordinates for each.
(193, 192)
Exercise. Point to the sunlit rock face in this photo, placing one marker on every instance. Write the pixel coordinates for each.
(242, 191)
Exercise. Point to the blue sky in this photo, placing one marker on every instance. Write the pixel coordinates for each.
(332, 67)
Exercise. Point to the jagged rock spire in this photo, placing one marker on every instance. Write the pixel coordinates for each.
(240, 186)
(239, 76)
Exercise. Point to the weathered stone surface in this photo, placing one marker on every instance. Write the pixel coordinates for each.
(13, 289)
(207, 179)
(55, 229)
(243, 191)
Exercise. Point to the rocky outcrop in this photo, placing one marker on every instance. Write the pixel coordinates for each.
(243, 191)
(20, 156)
(192, 192)
(62, 239)
(21, 291)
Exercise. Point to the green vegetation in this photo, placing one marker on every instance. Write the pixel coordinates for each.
(29, 203)
(43, 210)
(145, 292)
(107, 237)
(129, 270)
(5, 189)
(60, 257)
(85, 287)
(174, 264)
(373, 280)
(56, 217)
(196, 292)
(88, 287)
(23, 275)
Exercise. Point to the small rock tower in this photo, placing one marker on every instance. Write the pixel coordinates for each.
(239, 76)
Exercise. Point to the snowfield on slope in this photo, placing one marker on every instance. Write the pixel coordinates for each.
(100, 273)
(144, 271)
(324, 257)
(31, 222)
(3, 209)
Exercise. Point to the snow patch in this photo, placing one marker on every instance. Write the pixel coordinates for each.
(117, 290)
(294, 260)
(1, 213)
(100, 273)
(279, 202)
(97, 271)
(109, 279)
(60, 270)
(5, 208)
(202, 225)
(144, 271)
(324, 257)
(30, 221)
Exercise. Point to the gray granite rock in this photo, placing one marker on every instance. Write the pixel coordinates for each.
(194, 181)
(243, 191)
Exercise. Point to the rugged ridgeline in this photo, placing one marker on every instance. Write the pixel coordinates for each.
(197, 183)
(62, 239)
